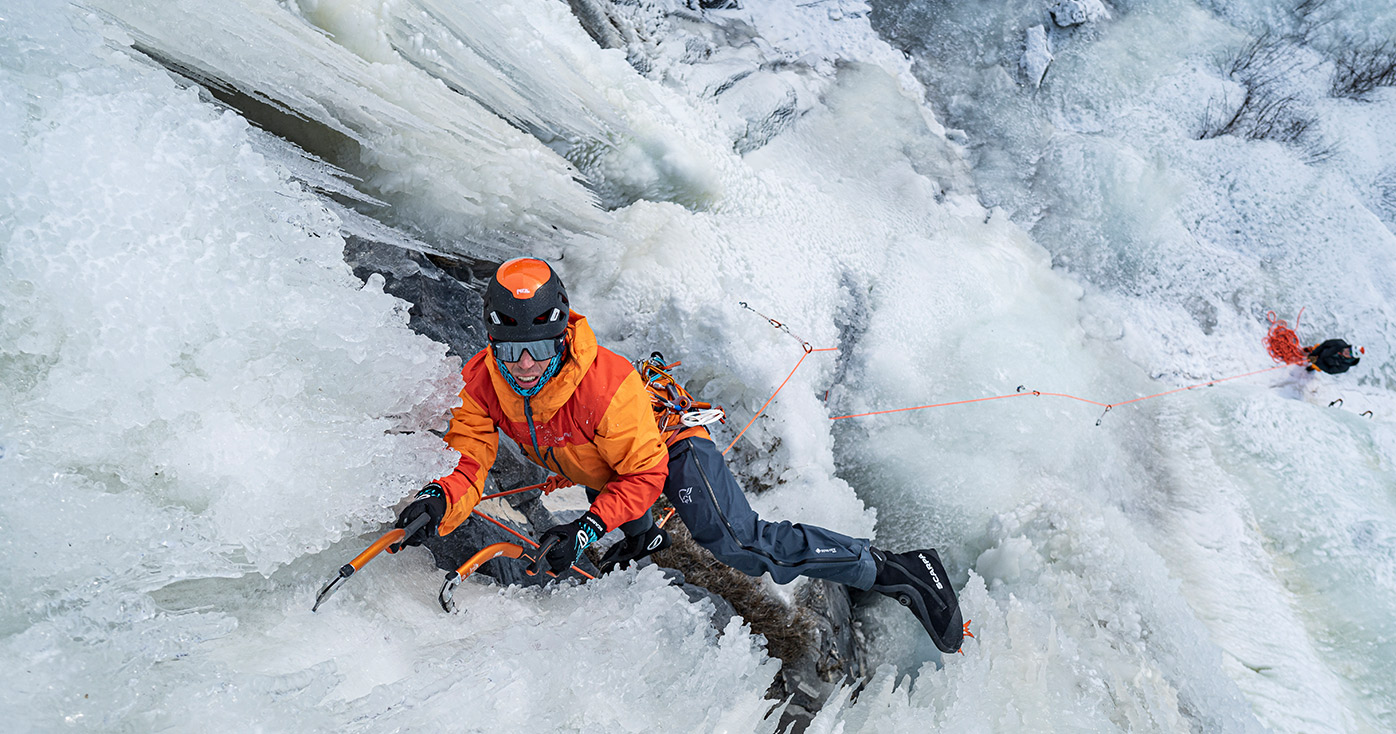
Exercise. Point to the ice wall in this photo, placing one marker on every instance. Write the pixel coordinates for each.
(193, 387)
(1185, 235)
(204, 414)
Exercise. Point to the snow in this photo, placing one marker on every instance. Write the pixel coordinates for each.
(203, 414)
(1067, 13)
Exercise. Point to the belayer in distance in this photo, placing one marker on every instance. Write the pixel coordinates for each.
(582, 411)
(1333, 356)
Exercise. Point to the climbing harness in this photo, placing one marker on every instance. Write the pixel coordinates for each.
(674, 410)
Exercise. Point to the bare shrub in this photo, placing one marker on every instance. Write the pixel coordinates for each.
(1311, 16)
(1364, 68)
(1265, 60)
(1265, 111)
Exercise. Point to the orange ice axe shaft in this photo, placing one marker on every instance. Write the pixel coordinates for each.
(390, 538)
(453, 579)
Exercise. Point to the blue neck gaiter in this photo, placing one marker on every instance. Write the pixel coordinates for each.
(554, 365)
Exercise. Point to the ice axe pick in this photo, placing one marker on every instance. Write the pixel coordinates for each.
(390, 538)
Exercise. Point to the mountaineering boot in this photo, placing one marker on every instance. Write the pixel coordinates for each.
(918, 581)
(633, 548)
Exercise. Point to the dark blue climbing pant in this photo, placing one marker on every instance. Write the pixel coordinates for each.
(713, 507)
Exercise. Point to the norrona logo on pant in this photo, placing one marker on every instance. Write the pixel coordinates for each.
(931, 570)
(826, 550)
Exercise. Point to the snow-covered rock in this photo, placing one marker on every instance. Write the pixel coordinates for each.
(1067, 13)
(1037, 55)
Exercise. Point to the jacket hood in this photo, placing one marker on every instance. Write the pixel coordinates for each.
(581, 353)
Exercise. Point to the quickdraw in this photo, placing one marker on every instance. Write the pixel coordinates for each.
(674, 408)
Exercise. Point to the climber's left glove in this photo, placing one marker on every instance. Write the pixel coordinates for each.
(562, 545)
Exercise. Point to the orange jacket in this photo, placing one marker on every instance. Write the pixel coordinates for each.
(591, 422)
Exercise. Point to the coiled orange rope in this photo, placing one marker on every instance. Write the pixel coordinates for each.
(1282, 343)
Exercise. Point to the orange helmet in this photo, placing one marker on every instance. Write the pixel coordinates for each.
(525, 301)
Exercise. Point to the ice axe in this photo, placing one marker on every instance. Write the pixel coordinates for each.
(489, 552)
(390, 538)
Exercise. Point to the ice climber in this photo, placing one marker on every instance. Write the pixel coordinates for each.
(1333, 356)
(580, 410)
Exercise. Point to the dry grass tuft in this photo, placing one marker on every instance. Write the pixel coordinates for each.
(789, 632)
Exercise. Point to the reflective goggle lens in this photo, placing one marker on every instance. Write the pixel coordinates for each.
(541, 350)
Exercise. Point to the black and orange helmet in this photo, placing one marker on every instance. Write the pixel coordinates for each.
(524, 302)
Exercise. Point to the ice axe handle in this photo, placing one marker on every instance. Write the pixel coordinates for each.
(407, 532)
(487, 553)
(540, 561)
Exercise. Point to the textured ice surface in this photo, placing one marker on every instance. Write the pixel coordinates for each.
(203, 414)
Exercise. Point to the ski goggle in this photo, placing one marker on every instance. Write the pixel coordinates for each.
(541, 350)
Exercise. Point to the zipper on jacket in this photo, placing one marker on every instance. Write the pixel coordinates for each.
(533, 435)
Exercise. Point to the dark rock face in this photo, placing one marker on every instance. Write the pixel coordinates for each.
(834, 656)
(527, 516)
(817, 640)
(443, 307)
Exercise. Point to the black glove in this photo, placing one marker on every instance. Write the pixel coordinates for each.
(430, 501)
(633, 548)
(561, 545)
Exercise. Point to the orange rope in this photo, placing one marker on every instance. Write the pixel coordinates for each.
(1037, 393)
(1034, 393)
(1282, 343)
(808, 351)
(1200, 384)
(512, 491)
(522, 537)
(553, 483)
